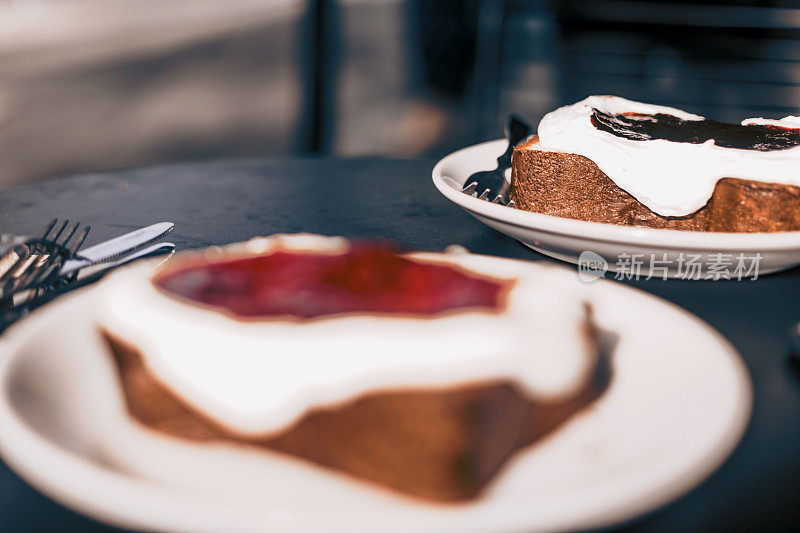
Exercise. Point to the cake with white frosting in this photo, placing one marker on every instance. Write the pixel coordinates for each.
(422, 373)
(608, 159)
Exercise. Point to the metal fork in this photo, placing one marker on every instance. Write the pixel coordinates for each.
(57, 242)
(492, 183)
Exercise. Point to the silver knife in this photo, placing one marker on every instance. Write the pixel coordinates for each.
(152, 250)
(116, 247)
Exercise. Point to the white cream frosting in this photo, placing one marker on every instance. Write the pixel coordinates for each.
(257, 377)
(670, 178)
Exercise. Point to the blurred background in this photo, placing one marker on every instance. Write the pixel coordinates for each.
(88, 85)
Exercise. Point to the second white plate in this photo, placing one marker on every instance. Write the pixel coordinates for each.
(630, 251)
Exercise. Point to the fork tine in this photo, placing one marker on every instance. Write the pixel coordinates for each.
(64, 238)
(41, 259)
(59, 229)
(76, 244)
(23, 268)
(11, 261)
(470, 188)
(484, 195)
(18, 275)
(43, 268)
(47, 228)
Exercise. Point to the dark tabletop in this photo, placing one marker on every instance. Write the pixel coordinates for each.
(218, 203)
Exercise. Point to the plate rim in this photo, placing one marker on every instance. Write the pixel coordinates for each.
(689, 240)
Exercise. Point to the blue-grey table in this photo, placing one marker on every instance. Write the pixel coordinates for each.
(222, 202)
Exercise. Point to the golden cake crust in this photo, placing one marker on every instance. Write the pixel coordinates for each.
(573, 186)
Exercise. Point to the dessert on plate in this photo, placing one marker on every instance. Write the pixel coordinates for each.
(612, 160)
(421, 373)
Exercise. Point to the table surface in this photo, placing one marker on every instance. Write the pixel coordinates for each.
(222, 202)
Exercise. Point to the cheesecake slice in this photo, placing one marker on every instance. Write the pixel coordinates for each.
(615, 161)
(419, 374)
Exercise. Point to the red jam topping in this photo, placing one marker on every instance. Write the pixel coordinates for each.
(368, 278)
(644, 127)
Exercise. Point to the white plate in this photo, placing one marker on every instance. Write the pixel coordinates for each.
(678, 404)
(566, 239)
